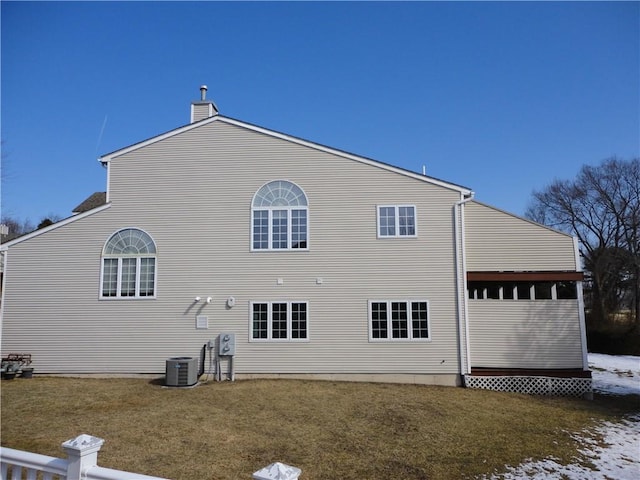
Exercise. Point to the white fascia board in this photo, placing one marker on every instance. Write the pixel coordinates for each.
(523, 218)
(110, 156)
(61, 223)
(343, 154)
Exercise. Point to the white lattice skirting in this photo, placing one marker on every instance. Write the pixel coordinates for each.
(552, 386)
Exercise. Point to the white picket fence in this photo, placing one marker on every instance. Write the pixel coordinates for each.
(82, 464)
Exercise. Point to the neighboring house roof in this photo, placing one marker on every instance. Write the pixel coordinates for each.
(95, 200)
(300, 141)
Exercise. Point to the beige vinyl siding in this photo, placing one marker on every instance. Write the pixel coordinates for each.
(525, 334)
(192, 193)
(200, 111)
(499, 241)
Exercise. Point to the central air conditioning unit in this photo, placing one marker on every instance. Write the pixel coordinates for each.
(182, 371)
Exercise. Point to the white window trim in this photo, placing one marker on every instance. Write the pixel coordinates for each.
(389, 321)
(270, 226)
(138, 258)
(269, 338)
(119, 279)
(397, 221)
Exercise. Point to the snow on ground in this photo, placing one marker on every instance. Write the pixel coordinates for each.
(619, 375)
(619, 458)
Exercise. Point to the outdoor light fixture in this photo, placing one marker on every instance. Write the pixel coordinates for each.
(197, 299)
(209, 299)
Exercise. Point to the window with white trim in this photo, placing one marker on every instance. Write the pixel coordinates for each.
(279, 217)
(398, 320)
(128, 265)
(396, 221)
(279, 321)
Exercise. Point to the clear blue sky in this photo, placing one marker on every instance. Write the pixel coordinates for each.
(500, 97)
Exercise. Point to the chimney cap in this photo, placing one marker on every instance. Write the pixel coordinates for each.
(203, 92)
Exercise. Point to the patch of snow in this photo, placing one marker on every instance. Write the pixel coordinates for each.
(617, 457)
(618, 375)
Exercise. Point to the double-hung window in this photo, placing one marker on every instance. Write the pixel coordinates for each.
(128, 265)
(279, 321)
(279, 217)
(396, 221)
(398, 320)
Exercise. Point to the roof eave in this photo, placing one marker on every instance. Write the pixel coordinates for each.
(344, 154)
(520, 217)
(300, 141)
(106, 158)
(61, 223)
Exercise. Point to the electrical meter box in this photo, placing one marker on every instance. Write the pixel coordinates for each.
(227, 344)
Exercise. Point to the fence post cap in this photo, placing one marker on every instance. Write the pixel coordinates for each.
(277, 471)
(83, 444)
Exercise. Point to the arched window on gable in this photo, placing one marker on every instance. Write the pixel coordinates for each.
(279, 217)
(129, 265)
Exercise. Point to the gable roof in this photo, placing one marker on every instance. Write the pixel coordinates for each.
(297, 140)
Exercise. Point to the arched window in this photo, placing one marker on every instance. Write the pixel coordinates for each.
(279, 217)
(129, 265)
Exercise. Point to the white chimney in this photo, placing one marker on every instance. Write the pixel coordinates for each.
(203, 108)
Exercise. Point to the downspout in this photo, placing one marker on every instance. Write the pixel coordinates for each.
(581, 314)
(461, 269)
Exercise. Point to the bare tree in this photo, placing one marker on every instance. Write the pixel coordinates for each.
(49, 220)
(601, 207)
(15, 228)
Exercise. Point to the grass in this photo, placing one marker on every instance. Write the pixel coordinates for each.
(330, 430)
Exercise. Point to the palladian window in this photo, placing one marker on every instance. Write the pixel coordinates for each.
(129, 265)
(279, 217)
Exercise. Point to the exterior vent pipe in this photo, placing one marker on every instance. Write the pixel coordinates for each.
(203, 108)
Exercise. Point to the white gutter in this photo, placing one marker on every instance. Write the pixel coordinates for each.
(461, 269)
(583, 323)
